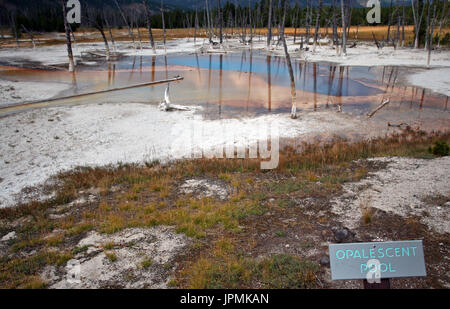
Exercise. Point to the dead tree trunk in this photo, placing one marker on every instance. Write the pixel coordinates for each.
(220, 22)
(250, 20)
(14, 28)
(428, 25)
(441, 22)
(136, 22)
(208, 19)
(403, 26)
(316, 32)
(269, 26)
(430, 43)
(417, 21)
(109, 31)
(308, 20)
(344, 32)
(130, 32)
(149, 25)
(68, 39)
(30, 35)
(289, 64)
(389, 23)
(102, 32)
(163, 25)
(296, 23)
(335, 32)
(195, 26)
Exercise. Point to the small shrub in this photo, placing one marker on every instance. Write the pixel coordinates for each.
(147, 262)
(111, 256)
(280, 234)
(440, 148)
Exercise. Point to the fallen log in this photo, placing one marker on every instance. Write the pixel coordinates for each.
(6, 108)
(385, 102)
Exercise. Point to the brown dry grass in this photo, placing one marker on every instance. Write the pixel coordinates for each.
(86, 35)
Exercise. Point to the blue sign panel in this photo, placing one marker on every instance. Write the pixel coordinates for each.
(372, 260)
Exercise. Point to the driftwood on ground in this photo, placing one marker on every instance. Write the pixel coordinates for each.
(385, 102)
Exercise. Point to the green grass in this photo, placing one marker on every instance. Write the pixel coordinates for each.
(147, 262)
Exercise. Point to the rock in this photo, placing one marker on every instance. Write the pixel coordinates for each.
(10, 236)
(325, 261)
(205, 188)
(342, 234)
(49, 274)
(93, 268)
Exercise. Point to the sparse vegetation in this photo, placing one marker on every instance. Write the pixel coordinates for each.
(317, 171)
(111, 256)
(440, 148)
(147, 262)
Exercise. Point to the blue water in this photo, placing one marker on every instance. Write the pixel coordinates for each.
(311, 77)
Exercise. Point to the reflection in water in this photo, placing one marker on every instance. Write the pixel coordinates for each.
(249, 81)
(315, 85)
(269, 83)
(220, 84)
(279, 72)
(153, 67)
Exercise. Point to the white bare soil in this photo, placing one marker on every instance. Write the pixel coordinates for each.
(436, 80)
(92, 268)
(402, 189)
(37, 144)
(12, 92)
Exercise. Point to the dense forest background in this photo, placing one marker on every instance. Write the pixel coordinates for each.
(46, 15)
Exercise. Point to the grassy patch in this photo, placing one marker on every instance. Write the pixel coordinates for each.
(111, 256)
(280, 271)
(147, 262)
(22, 272)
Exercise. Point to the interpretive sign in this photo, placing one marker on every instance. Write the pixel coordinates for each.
(377, 260)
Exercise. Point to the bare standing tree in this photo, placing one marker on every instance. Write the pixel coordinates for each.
(296, 18)
(289, 64)
(14, 27)
(417, 21)
(344, 29)
(30, 34)
(208, 19)
(220, 21)
(130, 32)
(269, 25)
(196, 25)
(403, 26)
(163, 25)
(136, 22)
(444, 16)
(250, 20)
(427, 25)
(316, 32)
(430, 36)
(105, 17)
(149, 24)
(95, 19)
(389, 22)
(68, 39)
